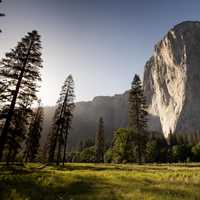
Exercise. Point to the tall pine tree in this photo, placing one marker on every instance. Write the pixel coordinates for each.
(33, 139)
(21, 69)
(99, 142)
(62, 121)
(137, 114)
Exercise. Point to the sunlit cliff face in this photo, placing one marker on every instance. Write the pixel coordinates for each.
(170, 77)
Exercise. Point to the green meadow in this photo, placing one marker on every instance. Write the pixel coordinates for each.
(100, 181)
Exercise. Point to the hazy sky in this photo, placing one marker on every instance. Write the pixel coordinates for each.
(102, 43)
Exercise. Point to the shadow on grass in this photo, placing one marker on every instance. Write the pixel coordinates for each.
(42, 186)
(51, 184)
(39, 186)
(14, 169)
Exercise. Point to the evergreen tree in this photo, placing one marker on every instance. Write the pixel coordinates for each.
(172, 139)
(122, 148)
(35, 129)
(21, 69)
(62, 121)
(156, 148)
(99, 142)
(17, 133)
(137, 114)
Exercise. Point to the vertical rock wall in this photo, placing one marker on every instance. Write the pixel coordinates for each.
(172, 80)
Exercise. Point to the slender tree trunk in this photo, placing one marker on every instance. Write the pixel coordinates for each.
(4, 133)
(52, 149)
(65, 147)
(13, 157)
(26, 156)
(8, 156)
(59, 145)
(139, 153)
(59, 150)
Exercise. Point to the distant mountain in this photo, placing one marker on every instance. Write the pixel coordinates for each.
(114, 111)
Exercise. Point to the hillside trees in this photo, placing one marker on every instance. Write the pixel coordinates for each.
(20, 69)
(34, 134)
(99, 142)
(62, 121)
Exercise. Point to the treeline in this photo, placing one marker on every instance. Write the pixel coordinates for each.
(135, 144)
(19, 77)
(156, 149)
(20, 120)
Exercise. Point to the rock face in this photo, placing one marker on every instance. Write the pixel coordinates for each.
(172, 80)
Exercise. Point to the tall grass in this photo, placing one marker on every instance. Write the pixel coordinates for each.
(100, 182)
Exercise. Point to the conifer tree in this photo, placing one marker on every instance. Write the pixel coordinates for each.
(99, 142)
(172, 139)
(21, 70)
(62, 121)
(33, 139)
(137, 114)
(16, 133)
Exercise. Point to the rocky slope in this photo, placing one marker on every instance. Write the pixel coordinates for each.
(172, 80)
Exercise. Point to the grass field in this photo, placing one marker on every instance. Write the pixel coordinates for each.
(100, 182)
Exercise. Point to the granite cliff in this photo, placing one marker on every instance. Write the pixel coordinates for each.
(172, 80)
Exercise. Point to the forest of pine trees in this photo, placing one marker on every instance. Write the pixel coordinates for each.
(20, 71)
(21, 121)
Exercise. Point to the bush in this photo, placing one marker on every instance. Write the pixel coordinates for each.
(88, 155)
(123, 149)
(108, 156)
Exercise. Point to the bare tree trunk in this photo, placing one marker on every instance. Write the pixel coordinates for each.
(8, 156)
(65, 147)
(59, 150)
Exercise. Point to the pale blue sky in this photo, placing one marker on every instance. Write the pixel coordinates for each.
(102, 43)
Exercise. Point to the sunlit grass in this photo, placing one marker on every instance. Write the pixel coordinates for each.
(101, 181)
